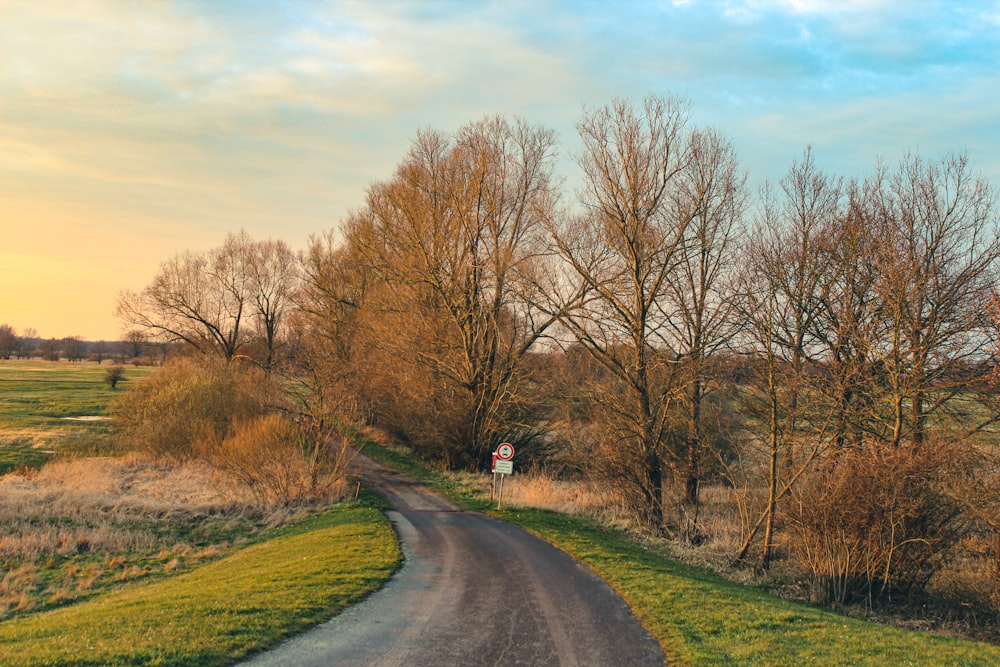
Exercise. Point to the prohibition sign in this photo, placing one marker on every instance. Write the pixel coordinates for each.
(505, 452)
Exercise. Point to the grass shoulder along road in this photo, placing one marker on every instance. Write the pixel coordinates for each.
(700, 618)
(223, 611)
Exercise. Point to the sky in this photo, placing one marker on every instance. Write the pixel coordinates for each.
(133, 130)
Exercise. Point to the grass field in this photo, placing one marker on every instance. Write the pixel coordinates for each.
(124, 561)
(211, 614)
(46, 407)
(221, 611)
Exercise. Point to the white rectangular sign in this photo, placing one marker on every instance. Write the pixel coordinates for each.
(504, 467)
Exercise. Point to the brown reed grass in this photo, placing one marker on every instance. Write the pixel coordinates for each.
(77, 526)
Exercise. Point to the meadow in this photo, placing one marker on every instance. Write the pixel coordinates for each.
(120, 559)
(54, 407)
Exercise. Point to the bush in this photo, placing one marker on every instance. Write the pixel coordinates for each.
(879, 521)
(190, 405)
(226, 415)
(114, 376)
(279, 462)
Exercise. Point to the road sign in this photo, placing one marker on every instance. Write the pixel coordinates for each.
(504, 467)
(505, 452)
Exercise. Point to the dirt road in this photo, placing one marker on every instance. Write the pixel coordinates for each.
(473, 591)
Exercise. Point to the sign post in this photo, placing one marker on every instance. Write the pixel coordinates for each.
(503, 465)
(493, 469)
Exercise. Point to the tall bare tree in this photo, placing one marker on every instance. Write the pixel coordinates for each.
(783, 283)
(272, 272)
(458, 232)
(208, 300)
(938, 269)
(324, 329)
(701, 292)
(851, 315)
(193, 299)
(623, 250)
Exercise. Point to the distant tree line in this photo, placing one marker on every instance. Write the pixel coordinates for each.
(134, 348)
(825, 347)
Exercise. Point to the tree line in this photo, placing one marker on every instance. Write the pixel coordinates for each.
(132, 348)
(661, 328)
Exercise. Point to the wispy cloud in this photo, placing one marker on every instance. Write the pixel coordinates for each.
(183, 120)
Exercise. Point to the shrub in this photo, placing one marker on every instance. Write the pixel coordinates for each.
(278, 461)
(228, 416)
(879, 521)
(114, 375)
(189, 405)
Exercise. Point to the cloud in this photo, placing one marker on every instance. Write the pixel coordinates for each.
(185, 120)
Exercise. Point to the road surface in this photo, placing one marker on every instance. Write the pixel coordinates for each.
(473, 591)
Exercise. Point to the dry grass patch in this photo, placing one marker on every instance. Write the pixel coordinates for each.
(80, 526)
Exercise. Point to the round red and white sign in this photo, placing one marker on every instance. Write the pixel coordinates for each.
(505, 452)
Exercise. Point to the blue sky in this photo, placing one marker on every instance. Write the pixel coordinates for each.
(130, 130)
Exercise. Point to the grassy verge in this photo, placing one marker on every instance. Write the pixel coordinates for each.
(224, 610)
(702, 619)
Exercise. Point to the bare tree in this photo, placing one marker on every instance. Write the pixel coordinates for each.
(133, 344)
(192, 299)
(937, 270)
(622, 251)
(99, 350)
(9, 341)
(28, 342)
(49, 349)
(783, 283)
(208, 300)
(271, 271)
(73, 348)
(457, 234)
(324, 330)
(851, 316)
(701, 292)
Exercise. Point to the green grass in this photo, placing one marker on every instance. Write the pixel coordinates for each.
(38, 400)
(702, 619)
(222, 611)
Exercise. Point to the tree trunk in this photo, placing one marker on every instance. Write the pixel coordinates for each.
(694, 447)
(772, 485)
(654, 475)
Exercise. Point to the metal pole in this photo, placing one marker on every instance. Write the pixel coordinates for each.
(500, 494)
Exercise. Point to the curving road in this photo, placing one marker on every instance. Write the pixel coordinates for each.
(473, 591)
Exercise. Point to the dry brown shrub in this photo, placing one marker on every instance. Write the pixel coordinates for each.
(719, 522)
(580, 498)
(103, 505)
(189, 402)
(878, 522)
(279, 462)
